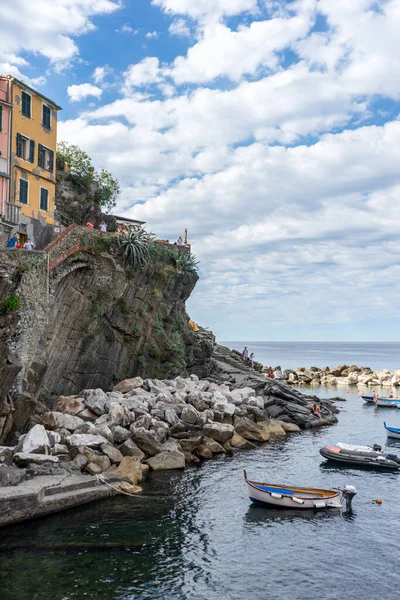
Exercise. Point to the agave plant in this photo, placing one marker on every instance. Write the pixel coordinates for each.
(186, 263)
(135, 245)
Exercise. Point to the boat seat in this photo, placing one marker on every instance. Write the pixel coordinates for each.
(275, 490)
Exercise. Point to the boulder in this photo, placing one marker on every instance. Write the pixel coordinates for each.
(171, 417)
(237, 441)
(120, 433)
(249, 430)
(11, 475)
(85, 439)
(78, 463)
(117, 415)
(6, 453)
(71, 406)
(214, 446)
(275, 428)
(129, 448)
(104, 431)
(289, 427)
(36, 441)
(96, 400)
(128, 488)
(60, 449)
(87, 415)
(127, 385)
(145, 421)
(160, 430)
(227, 408)
(190, 444)
(167, 460)
(113, 454)
(146, 440)
(22, 459)
(57, 420)
(219, 432)
(190, 415)
(93, 469)
(54, 438)
(204, 452)
(256, 412)
(130, 469)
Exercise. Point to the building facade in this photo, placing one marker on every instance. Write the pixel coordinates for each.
(32, 159)
(9, 216)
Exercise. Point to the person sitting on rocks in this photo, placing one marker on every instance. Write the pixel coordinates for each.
(271, 374)
(316, 410)
(251, 361)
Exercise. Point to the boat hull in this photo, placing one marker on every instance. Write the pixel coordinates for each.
(360, 459)
(290, 502)
(392, 432)
(385, 402)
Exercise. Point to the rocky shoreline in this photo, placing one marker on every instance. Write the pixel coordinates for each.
(343, 375)
(151, 424)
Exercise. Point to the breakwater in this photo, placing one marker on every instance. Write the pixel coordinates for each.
(342, 375)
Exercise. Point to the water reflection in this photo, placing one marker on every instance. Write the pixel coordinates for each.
(259, 515)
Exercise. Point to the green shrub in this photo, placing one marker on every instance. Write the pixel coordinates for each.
(9, 305)
(176, 344)
(123, 305)
(135, 245)
(158, 326)
(154, 351)
(156, 292)
(187, 263)
(137, 330)
(96, 307)
(141, 310)
(23, 267)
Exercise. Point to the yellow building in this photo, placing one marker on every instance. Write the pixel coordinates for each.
(33, 158)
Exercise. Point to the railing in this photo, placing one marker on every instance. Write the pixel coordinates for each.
(11, 213)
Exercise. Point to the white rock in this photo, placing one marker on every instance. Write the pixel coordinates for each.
(25, 458)
(85, 439)
(36, 441)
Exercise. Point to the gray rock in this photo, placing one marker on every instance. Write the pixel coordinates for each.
(84, 428)
(136, 404)
(54, 438)
(55, 420)
(219, 432)
(190, 415)
(104, 431)
(36, 440)
(60, 449)
(146, 440)
(117, 415)
(85, 439)
(120, 434)
(11, 475)
(171, 445)
(6, 453)
(160, 430)
(256, 412)
(171, 416)
(249, 430)
(145, 421)
(113, 454)
(78, 463)
(96, 400)
(166, 461)
(190, 444)
(22, 459)
(129, 448)
(93, 469)
(127, 385)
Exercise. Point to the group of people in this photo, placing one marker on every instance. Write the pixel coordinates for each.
(102, 227)
(248, 360)
(14, 242)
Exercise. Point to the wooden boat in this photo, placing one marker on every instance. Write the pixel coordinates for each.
(279, 496)
(392, 432)
(381, 401)
(362, 456)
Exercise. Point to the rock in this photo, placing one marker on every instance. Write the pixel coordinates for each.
(127, 385)
(256, 413)
(190, 415)
(71, 406)
(353, 378)
(145, 421)
(54, 437)
(95, 457)
(87, 415)
(78, 463)
(190, 444)
(160, 431)
(275, 428)
(57, 420)
(289, 427)
(237, 441)
(120, 433)
(204, 452)
(249, 430)
(218, 431)
(85, 439)
(117, 415)
(84, 428)
(6, 453)
(36, 441)
(146, 440)
(172, 446)
(178, 428)
(11, 475)
(129, 448)
(192, 459)
(227, 408)
(96, 400)
(128, 488)
(113, 454)
(130, 470)
(104, 431)
(93, 469)
(171, 417)
(166, 461)
(214, 446)
(22, 459)
(60, 449)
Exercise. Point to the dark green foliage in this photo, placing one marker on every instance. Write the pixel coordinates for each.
(176, 344)
(141, 310)
(187, 263)
(96, 307)
(23, 267)
(9, 305)
(154, 351)
(158, 326)
(156, 292)
(137, 330)
(142, 360)
(123, 305)
(135, 245)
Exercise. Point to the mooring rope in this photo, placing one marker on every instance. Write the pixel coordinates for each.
(101, 479)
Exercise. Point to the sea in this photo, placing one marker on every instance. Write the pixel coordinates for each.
(289, 355)
(194, 535)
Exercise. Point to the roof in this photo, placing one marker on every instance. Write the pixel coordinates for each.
(126, 220)
(25, 85)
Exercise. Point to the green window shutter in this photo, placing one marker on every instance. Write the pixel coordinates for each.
(51, 161)
(44, 199)
(31, 151)
(1, 118)
(41, 156)
(23, 191)
(26, 104)
(46, 117)
(19, 145)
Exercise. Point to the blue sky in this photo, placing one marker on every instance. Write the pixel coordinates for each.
(270, 129)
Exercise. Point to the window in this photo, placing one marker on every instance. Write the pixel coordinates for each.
(26, 105)
(25, 148)
(23, 191)
(44, 199)
(1, 118)
(46, 158)
(46, 116)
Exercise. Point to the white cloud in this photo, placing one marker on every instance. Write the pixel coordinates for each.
(152, 35)
(126, 28)
(79, 92)
(180, 28)
(100, 73)
(146, 72)
(206, 8)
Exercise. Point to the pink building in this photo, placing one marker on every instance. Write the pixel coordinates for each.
(9, 213)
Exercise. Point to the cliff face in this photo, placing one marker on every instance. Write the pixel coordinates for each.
(87, 320)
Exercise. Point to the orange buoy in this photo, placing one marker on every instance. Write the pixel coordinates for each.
(378, 501)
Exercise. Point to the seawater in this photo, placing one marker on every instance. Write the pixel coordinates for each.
(289, 355)
(194, 535)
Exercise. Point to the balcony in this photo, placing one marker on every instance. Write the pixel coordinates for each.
(11, 213)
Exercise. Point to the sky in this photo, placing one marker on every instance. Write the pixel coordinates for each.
(268, 128)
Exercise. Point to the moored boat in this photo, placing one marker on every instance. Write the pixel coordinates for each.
(392, 432)
(381, 401)
(289, 497)
(362, 456)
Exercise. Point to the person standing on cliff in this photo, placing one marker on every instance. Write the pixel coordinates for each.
(103, 227)
(13, 241)
(180, 241)
(28, 245)
(252, 358)
(245, 355)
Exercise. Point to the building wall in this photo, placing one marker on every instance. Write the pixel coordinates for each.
(36, 176)
(5, 110)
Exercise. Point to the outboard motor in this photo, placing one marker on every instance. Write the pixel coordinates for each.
(393, 457)
(377, 448)
(349, 491)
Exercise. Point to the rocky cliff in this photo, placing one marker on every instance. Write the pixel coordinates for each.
(85, 318)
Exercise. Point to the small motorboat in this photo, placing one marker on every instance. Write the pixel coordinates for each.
(278, 496)
(362, 456)
(381, 401)
(392, 432)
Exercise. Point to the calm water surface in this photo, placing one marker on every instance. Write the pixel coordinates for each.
(195, 536)
(289, 355)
